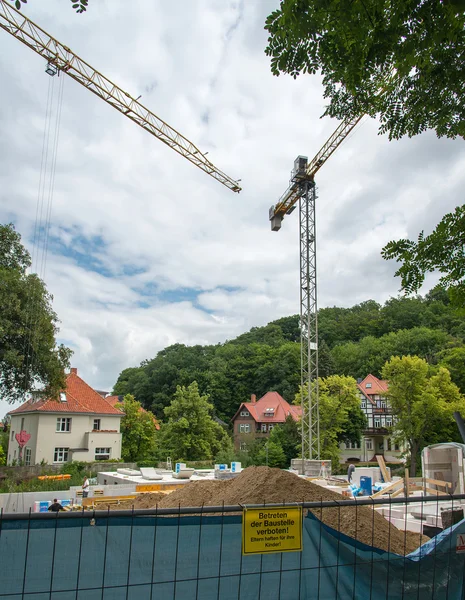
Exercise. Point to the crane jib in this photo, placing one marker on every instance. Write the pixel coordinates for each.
(60, 58)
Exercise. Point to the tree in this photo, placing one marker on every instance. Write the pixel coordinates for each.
(29, 355)
(288, 437)
(443, 251)
(191, 433)
(339, 402)
(272, 454)
(138, 431)
(400, 60)
(453, 359)
(79, 6)
(423, 403)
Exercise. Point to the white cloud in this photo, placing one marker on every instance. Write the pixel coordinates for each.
(146, 249)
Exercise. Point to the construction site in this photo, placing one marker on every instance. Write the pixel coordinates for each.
(175, 532)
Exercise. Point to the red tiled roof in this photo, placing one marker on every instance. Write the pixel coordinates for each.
(281, 407)
(80, 398)
(378, 387)
(114, 401)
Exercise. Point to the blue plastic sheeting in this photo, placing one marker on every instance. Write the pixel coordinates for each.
(189, 557)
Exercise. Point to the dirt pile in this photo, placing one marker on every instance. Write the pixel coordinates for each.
(148, 500)
(257, 485)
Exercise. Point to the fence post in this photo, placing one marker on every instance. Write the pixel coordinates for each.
(406, 484)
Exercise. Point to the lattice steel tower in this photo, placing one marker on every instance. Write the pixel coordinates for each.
(302, 190)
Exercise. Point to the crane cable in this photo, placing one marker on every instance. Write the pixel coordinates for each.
(43, 215)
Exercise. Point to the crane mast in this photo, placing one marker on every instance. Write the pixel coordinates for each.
(61, 58)
(302, 190)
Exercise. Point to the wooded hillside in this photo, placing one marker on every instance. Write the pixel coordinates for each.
(353, 341)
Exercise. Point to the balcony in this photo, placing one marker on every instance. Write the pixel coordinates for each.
(375, 431)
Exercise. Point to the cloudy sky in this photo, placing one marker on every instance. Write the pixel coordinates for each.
(146, 250)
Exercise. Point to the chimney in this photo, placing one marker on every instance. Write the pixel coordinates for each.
(74, 370)
(253, 398)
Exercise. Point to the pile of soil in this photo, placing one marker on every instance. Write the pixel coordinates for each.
(256, 485)
(148, 500)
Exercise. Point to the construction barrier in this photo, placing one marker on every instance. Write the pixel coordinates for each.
(141, 556)
(55, 477)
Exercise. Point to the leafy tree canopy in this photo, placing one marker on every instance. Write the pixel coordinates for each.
(190, 432)
(442, 251)
(401, 60)
(341, 417)
(79, 6)
(288, 437)
(423, 402)
(138, 431)
(29, 355)
(353, 341)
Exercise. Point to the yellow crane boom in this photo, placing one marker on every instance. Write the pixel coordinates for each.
(303, 170)
(61, 58)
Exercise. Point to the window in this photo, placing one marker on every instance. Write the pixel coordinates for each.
(270, 427)
(63, 424)
(383, 403)
(396, 447)
(388, 421)
(22, 424)
(96, 426)
(245, 413)
(368, 385)
(263, 427)
(369, 444)
(243, 447)
(12, 435)
(244, 428)
(60, 455)
(388, 443)
(377, 422)
(102, 453)
(353, 445)
(27, 456)
(363, 404)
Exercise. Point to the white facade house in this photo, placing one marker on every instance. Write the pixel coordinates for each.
(376, 438)
(78, 425)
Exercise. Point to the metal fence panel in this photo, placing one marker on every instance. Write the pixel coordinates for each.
(150, 557)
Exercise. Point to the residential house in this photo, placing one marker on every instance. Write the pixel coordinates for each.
(78, 425)
(117, 402)
(376, 438)
(256, 419)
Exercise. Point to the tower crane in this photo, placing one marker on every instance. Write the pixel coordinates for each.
(61, 59)
(302, 190)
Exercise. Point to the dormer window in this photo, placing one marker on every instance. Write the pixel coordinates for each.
(63, 397)
(269, 412)
(368, 385)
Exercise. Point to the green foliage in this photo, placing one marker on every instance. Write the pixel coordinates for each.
(4, 435)
(340, 415)
(138, 431)
(288, 437)
(401, 60)
(190, 432)
(442, 251)
(272, 454)
(369, 354)
(453, 359)
(28, 326)
(423, 401)
(79, 6)
(353, 341)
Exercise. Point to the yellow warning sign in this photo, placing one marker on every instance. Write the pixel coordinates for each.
(277, 529)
